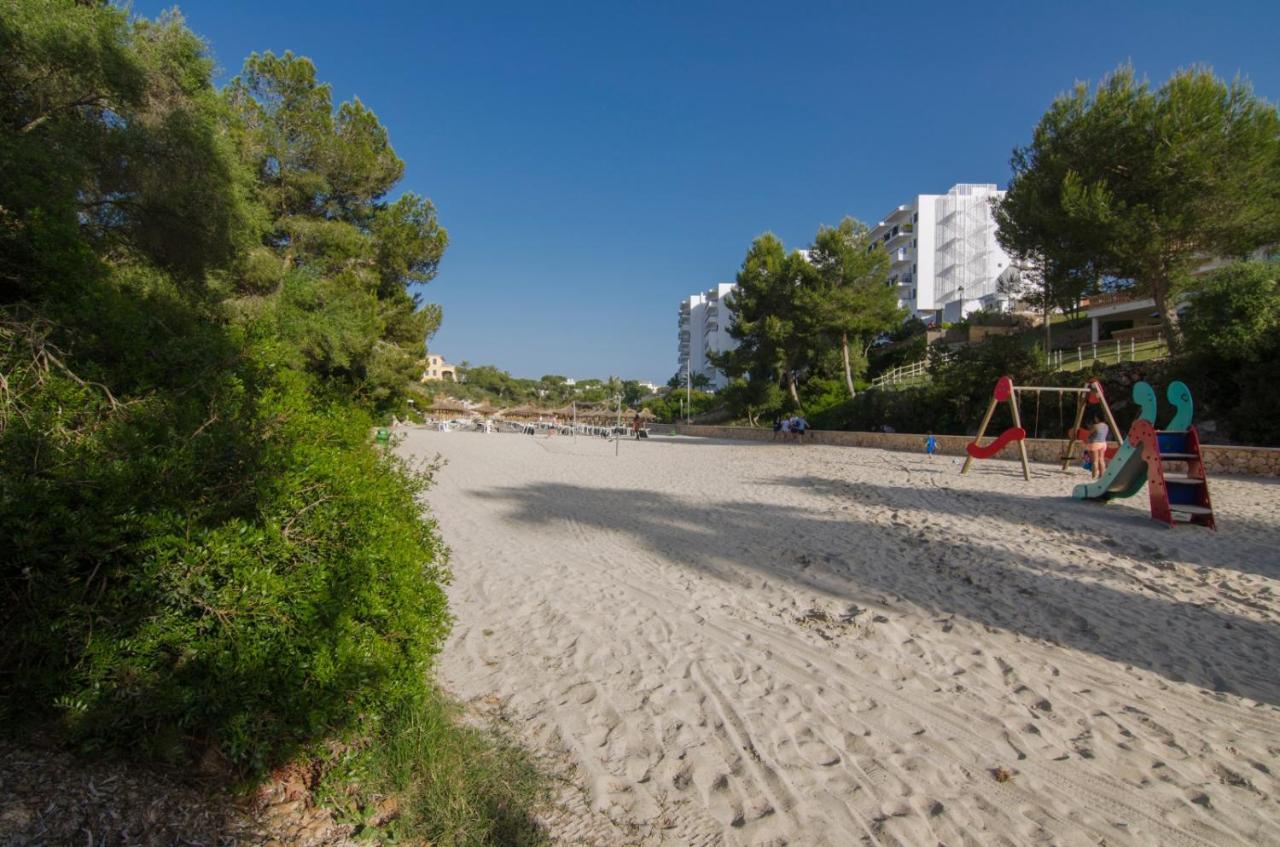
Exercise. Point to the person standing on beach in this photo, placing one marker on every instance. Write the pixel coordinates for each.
(1097, 445)
(930, 445)
(636, 425)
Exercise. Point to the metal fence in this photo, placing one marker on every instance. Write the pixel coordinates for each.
(1105, 352)
(911, 374)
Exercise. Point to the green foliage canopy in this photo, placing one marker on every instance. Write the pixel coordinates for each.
(1233, 314)
(1135, 184)
(345, 256)
(798, 316)
(203, 548)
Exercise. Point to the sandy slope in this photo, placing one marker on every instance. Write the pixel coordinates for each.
(764, 644)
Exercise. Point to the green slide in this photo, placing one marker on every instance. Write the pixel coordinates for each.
(1126, 472)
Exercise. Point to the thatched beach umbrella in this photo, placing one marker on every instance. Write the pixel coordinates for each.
(522, 412)
(447, 405)
(646, 414)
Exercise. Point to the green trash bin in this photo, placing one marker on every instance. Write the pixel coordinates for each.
(383, 436)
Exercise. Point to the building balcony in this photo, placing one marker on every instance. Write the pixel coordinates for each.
(1113, 298)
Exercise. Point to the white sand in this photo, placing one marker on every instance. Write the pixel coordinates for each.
(730, 643)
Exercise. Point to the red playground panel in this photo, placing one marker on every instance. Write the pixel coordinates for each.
(1003, 440)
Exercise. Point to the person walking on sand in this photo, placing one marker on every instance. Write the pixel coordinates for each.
(1097, 446)
(930, 445)
(552, 431)
(636, 425)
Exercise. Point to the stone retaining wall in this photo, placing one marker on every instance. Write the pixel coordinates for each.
(1249, 461)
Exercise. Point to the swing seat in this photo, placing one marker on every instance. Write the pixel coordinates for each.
(1004, 439)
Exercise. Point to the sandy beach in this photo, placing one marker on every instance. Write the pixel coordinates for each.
(760, 644)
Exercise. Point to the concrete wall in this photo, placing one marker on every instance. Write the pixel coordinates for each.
(1249, 461)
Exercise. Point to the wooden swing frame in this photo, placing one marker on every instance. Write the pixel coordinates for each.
(1092, 388)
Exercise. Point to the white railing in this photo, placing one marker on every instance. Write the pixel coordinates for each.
(1106, 352)
(1109, 353)
(912, 373)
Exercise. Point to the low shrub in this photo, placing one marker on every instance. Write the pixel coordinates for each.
(228, 564)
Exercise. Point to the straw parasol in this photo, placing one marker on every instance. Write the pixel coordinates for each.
(446, 404)
(522, 411)
(646, 414)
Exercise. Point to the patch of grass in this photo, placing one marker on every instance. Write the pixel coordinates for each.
(425, 775)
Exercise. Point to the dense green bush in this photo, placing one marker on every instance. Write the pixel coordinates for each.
(201, 548)
(1231, 334)
(1233, 314)
(230, 565)
(669, 407)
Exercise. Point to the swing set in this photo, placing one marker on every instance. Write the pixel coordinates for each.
(1090, 394)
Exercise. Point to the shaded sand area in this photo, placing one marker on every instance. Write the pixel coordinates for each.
(728, 643)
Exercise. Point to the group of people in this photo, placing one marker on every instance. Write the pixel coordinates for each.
(790, 429)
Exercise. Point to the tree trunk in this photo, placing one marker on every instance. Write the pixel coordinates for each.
(1168, 314)
(795, 395)
(848, 368)
(1048, 341)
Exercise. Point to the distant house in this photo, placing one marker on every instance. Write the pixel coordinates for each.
(437, 370)
(1130, 314)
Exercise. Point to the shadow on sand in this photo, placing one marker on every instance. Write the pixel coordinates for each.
(857, 559)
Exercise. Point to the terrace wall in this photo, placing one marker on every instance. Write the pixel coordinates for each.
(1248, 461)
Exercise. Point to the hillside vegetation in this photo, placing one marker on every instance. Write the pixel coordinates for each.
(204, 308)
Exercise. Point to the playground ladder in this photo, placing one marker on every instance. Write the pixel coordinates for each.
(1175, 496)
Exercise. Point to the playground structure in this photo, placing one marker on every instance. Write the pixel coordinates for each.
(1141, 459)
(1005, 391)
(1175, 496)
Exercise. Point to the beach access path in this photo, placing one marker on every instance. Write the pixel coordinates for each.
(720, 642)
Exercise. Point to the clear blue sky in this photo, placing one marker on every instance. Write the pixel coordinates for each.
(595, 162)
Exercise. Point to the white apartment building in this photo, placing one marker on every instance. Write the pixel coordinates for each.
(704, 321)
(943, 253)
